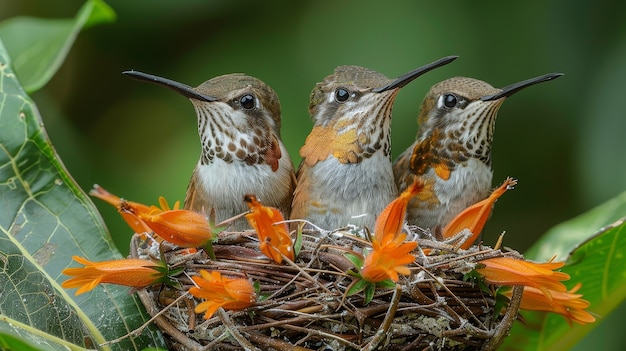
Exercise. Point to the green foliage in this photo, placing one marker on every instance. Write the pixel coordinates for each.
(357, 286)
(45, 219)
(355, 259)
(595, 260)
(39, 46)
(10, 342)
(567, 236)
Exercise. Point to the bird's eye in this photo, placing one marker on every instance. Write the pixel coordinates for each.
(247, 102)
(341, 95)
(450, 100)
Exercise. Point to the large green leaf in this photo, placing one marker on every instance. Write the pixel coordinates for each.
(39, 46)
(44, 220)
(598, 263)
(563, 238)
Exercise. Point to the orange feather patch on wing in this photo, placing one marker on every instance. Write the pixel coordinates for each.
(324, 141)
(442, 171)
(273, 154)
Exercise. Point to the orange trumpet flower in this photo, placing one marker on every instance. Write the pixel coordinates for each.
(506, 271)
(180, 227)
(131, 272)
(218, 291)
(390, 220)
(566, 303)
(390, 254)
(385, 262)
(274, 239)
(475, 216)
(543, 290)
(129, 209)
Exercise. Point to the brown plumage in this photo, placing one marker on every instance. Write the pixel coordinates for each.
(242, 153)
(452, 150)
(346, 176)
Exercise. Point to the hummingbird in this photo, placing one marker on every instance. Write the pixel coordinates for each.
(452, 150)
(242, 152)
(345, 176)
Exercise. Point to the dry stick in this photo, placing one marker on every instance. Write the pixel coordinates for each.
(507, 322)
(499, 242)
(413, 344)
(231, 219)
(223, 336)
(384, 327)
(461, 303)
(320, 333)
(302, 318)
(234, 332)
(292, 325)
(463, 257)
(191, 325)
(275, 343)
(468, 329)
(305, 274)
(285, 286)
(160, 321)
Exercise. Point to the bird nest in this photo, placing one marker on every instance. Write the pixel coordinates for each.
(304, 305)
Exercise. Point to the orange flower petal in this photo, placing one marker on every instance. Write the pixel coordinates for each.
(127, 209)
(128, 272)
(543, 290)
(390, 254)
(566, 303)
(219, 291)
(475, 216)
(390, 220)
(274, 239)
(385, 262)
(180, 227)
(165, 206)
(506, 271)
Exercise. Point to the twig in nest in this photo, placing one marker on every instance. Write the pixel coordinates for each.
(507, 321)
(453, 295)
(275, 343)
(384, 327)
(159, 320)
(234, 331)
(305, 274)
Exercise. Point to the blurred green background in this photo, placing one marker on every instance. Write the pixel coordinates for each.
(563, 140)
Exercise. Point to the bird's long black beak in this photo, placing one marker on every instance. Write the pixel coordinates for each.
(408, 77)
(180, 88)
(514, 88)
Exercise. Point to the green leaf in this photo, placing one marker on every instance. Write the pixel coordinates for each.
(18, 337)
(44, 220)
(9, 342)
(563, 238)
(357, 286)
(386, 284)
(370, 289)
(355, 259)
(39, 46)
(598, 263)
